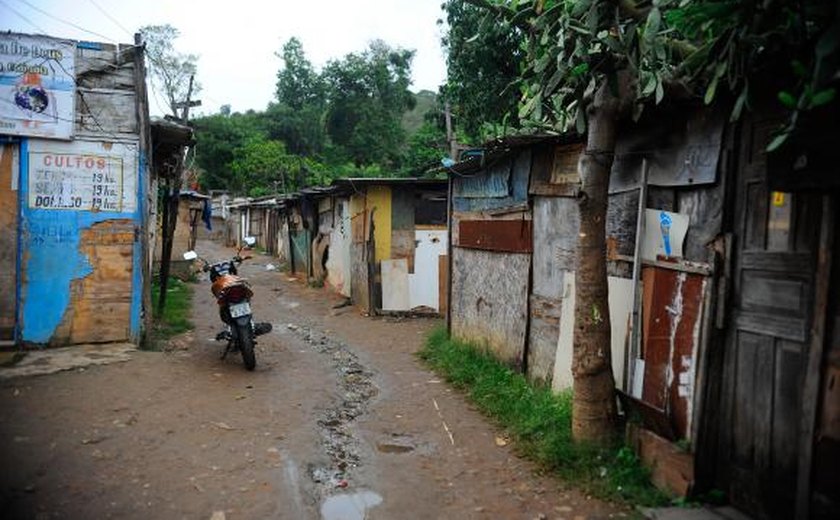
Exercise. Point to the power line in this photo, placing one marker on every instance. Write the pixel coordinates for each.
(22, 17)
(66, 22)
(107, 15)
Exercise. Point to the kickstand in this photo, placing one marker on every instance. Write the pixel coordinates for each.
(227, 349)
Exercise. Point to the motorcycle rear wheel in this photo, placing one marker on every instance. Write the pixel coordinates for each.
(246, 345)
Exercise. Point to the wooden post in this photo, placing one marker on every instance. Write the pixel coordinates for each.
(636, 321)
(170, 212)
(811, 390)
(450, 134)
(142, 108)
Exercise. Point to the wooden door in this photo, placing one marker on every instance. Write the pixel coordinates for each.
(766, 355)
(8, 239)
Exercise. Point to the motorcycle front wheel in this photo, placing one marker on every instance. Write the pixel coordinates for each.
(246, 345)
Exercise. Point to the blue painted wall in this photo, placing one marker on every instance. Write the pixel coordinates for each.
(50, 259)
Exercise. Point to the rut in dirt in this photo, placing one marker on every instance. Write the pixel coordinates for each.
(357, 389)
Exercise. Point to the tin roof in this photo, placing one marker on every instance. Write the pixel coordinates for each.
(495, 149)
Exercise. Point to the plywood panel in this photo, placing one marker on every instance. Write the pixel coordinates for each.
(555, 243)
(9, 162)
(338, 262)
(106, 112)
(542, 338)
(359, 274)
(489, 301)
(621, 305)
(395, 288)
(379, 202)
(443, 284)
(424, 283)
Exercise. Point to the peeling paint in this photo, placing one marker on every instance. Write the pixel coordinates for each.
(676, 312)
(672, 311)
(62, 249)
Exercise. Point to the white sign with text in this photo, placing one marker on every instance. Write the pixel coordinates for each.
(37, 86)
(83, 176)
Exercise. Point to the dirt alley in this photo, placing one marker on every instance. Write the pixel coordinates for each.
(339, 421)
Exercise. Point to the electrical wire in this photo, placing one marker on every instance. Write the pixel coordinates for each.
(24, 18)
(108, 16)
(66, 22)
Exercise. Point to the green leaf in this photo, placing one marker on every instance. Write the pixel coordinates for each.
(828, 42)
(660, 92)
(823, 97)
(777, 142)
(528, 107)
(580, 69)
(787, 99)
(543, 62)
(739, 105)
(520, 17)
(579, 7)
(710, 90)
(555, 80)
(654, 21)
(798, 68)
(648, 83)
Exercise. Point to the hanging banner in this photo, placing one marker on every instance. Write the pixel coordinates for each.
(37, 86)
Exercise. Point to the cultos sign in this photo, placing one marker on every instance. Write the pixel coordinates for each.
(74, 161)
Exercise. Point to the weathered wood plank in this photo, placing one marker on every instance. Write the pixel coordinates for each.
(542, 338)
(704, 207)
(794, 329)
(489, 303)
(106, 112)
(555, 243)
(8, 238)
(810, 392)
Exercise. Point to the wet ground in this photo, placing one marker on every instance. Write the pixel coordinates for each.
(339, 421)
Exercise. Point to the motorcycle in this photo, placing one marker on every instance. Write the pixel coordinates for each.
(233, 294)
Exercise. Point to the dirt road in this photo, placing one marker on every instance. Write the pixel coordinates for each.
(339, 421)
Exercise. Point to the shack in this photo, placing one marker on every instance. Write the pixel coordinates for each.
(74, 191)
(397, 245)
(193, 216)
(719, 264)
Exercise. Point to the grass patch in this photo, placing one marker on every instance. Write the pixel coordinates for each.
(540, 423)
(174, 319)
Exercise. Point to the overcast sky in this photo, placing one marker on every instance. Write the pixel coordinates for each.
(236, 40)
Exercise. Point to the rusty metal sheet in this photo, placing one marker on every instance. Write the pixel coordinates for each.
(672, 313)
(511, 236)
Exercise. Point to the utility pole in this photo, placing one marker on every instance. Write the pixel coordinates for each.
(450, 135)
(169, 219)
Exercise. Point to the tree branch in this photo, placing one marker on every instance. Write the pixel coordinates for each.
(502, 11)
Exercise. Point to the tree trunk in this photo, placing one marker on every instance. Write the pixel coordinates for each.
(594, 409)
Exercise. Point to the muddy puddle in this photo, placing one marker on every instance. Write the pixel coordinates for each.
(352, 506)
(356, 389)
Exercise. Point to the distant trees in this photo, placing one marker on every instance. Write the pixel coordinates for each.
(346, 119)
(367, 95)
